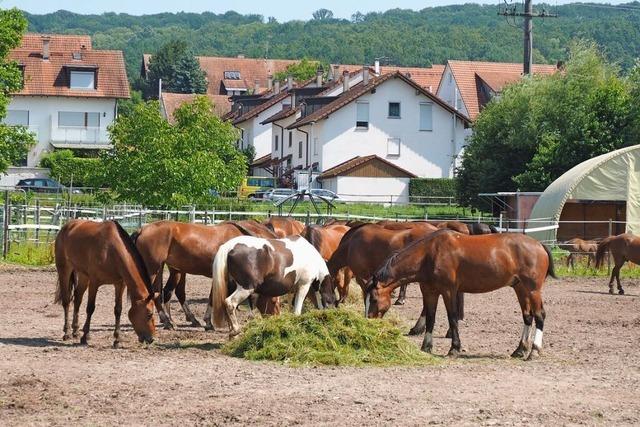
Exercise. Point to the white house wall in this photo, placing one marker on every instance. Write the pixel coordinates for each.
(260, 136)
(364, 189)
(424, 153)
(449, 91)
(43, 121)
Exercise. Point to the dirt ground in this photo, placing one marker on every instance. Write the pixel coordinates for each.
(589, 372)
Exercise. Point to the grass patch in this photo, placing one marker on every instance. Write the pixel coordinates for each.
(628, 271)
(30, 254)
(326, 337)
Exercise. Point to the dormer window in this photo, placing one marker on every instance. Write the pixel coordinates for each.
(84, 80)
(232, 75)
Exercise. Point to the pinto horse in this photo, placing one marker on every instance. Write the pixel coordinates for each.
(577, 247)
(270, 267)
(326, 240)
(284, 226)
(89, 254)
(186, 249)
(623, 247)
(446, 263)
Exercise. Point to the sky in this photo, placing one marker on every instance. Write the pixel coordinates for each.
(280, 9)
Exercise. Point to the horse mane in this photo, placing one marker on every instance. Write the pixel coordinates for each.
(135, 235)
(352, 230)
(135, 254)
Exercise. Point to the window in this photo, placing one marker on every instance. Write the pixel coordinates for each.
(394, 110)
(232, 75)
(299, 149)
(82, 80)
(17, 118)
(362, 115)
(426, 121)
(315, 146)
(290, 139)
(393, 146)
(78, 119)
(276, 142)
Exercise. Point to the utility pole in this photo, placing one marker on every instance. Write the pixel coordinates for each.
(528, 14)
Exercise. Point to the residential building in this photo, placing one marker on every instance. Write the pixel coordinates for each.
(170, 102)
(70, 93)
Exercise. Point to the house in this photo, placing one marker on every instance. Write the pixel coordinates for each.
(469, 85)
(170, 102)
(389, 116)
(70, 93)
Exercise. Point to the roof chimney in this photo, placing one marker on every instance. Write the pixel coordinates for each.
(365, 75)
(336, 72)
(276, 87)
(293, 98)
(256, 86)
(345, 81)
(45, 47)
(377, 67)
(289, 82)
(319, 73)
(270, 82)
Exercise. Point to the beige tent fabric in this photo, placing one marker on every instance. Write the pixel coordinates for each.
(611, 176)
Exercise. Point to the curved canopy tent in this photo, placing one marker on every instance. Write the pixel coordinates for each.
(613, 176)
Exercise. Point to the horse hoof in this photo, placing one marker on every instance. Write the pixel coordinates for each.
(84, 340)
(427, 348)
(620, 291)
(209, 328)
(399, 302)
(611, 291)
(233, 334)
(116, 344)
(416, 331)
(453, 353)
(196, 324)
(518, 354)
(534, 355)
(76, 334)
(65, 337)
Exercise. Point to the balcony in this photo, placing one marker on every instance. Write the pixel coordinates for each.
(79, 137)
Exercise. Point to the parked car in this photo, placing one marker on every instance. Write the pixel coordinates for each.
(278, 194)
(326, 194)
(40, 185)
(260, 194)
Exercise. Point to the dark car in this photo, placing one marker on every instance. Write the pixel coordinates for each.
(40, 185)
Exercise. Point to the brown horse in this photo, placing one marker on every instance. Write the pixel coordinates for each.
(185, 249)
(326, 240)
(90, 254)
(577, 247)
(623, 247)
(446, 263)
(458, 226)
(284, 226)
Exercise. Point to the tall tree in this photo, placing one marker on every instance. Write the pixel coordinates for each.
(542, 126)
(158, 164)
(322, 14)
(14, 140)
(300, 71)
(178, 68)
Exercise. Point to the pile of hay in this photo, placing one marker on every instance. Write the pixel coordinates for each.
(326, 337)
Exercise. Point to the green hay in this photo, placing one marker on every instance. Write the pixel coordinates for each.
(326, 337)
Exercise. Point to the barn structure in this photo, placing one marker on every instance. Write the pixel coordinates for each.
(597, 197)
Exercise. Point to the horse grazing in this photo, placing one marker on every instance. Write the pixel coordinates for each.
(446, 263)
(270, 267)
(284, 226)
(326, 240)
(623, 247)
(90, 254)
(186, 249)
(577, 247)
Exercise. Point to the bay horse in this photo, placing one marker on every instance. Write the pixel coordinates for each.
(284, 226)
(458, 226)
(270, 267)
(326, 240)
(186, 249)
(623, 247)
(89, 254)
(446, 263)
(577, 247)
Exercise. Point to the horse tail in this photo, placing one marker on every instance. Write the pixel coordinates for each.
(310, 233)
(603, 247)
(550, 269)
(64, 289)
(220, 286)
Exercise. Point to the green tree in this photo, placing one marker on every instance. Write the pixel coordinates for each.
(127, 106)
(158, 164)
(300, 71)
(542, 126)
(178, 68)
(14, 140)
(322, 14)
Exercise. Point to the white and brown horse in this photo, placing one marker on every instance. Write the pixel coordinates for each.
(269, 267)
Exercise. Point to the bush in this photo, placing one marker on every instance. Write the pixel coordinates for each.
(326, 337)
(432, 187)
(65, 167)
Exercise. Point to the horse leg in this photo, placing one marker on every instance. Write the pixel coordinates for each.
(539, 316)
(231, 304)
(421, 323)
(78, 294)
(117, 311)
(91, 306)
(430, 301)
(615, 274)
(208, 325)
(162, 302)
(620, 290)
(182, 298)
(525, 304)
(450, 303)
(302, 292)
(402, 295)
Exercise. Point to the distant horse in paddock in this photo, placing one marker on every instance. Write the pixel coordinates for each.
(284, 226)
(446, 263)
(623, 247)
(90, 254)
(270, 267)
(187, 249)
(577, 247)
(326, 240)
(478, 228)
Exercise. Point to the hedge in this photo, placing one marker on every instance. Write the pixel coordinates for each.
(64, 166)
(432, 187)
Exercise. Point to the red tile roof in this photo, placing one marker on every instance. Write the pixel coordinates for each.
(427, 77)
(172, 101)
(495, 74)
(260, 108)
(358, 90)
(353, 163)
(51, 77)
(286, 111)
